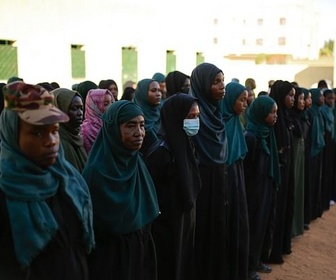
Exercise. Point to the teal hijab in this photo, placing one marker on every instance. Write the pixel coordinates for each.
(259, 110)
(151, 112)
(123, 193)
(27, 186)
(210, 141)
(317, 133)
(235, 137)
(327, 113)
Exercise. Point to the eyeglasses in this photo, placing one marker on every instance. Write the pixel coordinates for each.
(155, 90)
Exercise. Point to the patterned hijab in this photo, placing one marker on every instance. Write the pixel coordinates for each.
(123, 193)
(94, 109)
(27, 187)
(234, 130)
(211, 142)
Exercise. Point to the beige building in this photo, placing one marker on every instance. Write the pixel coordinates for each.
(69, 41)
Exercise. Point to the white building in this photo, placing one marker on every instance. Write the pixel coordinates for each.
(133, 39)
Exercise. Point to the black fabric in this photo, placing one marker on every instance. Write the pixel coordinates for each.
(260, 194)
(173, 166)
(285, 195)
(173, 231)
(212, 232)
(125, 257)
(327, 172)
(63, 258)
(238, 222)
(175, 109)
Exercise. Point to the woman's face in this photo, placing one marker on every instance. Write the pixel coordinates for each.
(308, 101)
(39, 143)
(217, 90)
(241, 103)
(272, 116)
(290, 98)
(75, 112)
(300, 102)
(114, 90)
(107, 101)
(154, 93)
(133, 133)
(194, 112)
(186, 86)
(329, 99)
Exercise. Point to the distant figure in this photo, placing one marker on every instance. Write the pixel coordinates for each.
(97, 102)
(111, 85)
(322, 84)
(160, 78)
(295, 84)
(177, 81)
(235, 80)
(71, 103)
(128, 94)
(83, 89)
(14, 79)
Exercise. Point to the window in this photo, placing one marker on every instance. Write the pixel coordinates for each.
(282, 41)
(199, 58)
(8, 59)
(170, 61)
(259, 42)
(129, 64)
(78, 61)
(244, 42)
(260, 21)
(282, 21)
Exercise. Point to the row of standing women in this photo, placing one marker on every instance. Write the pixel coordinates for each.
(179, 188)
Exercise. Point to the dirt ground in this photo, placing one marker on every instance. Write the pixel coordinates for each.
(313, 254)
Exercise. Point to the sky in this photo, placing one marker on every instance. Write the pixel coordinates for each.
(327, 10)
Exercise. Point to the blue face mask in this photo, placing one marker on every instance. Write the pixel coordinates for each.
(191, 126)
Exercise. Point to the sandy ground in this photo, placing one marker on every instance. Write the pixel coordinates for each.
(313, 254)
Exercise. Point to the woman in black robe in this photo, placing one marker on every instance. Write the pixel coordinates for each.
(45, 206)
(212, 232)
(300, 133)
(328, 152)
(232, 106)
(173, 166)
(262, 176)
(317, 144)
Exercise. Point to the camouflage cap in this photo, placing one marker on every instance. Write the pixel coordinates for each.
(33, 103)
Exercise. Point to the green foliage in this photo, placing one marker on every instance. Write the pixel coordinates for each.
(328, 49)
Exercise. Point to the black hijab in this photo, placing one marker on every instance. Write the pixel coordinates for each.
(279, 91)
(174, 110)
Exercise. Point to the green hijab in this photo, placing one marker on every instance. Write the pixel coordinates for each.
(151, 112)
(28, 186)
(236, 141)
(123, 193)
(72, 141)
(210, 141)
(317, 127)
(259, 110)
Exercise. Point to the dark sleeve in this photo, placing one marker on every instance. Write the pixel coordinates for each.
(158, 163)
(9, 266)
